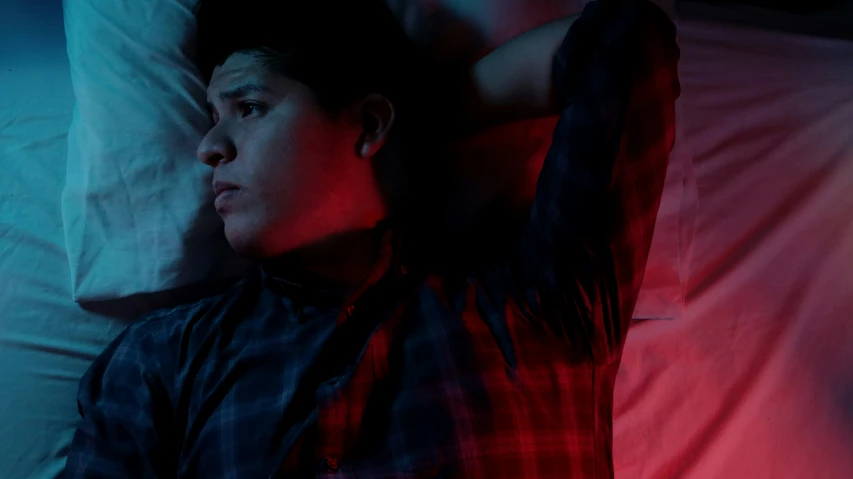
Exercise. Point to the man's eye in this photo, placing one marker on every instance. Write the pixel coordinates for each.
(247, 108)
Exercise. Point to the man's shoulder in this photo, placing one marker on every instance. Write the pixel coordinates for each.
(204, 313)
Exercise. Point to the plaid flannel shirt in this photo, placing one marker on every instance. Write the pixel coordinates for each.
(506, 373)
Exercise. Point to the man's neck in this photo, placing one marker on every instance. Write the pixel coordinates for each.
(338, 264)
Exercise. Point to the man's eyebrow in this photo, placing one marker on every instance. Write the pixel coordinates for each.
(240, 91)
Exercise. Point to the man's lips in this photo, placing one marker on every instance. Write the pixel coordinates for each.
(225, 192)
(221, 186)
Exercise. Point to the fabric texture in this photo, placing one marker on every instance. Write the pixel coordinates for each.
(137, 204)
(753, 381)
(504, 372)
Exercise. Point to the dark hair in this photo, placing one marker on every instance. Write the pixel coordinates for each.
(341, 49)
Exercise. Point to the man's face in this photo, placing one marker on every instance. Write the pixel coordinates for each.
(293, 170)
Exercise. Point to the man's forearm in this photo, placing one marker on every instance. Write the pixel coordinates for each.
(514, 81)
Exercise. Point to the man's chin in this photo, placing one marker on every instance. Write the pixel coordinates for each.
(255, 246)
(267, 243)
(246, 244)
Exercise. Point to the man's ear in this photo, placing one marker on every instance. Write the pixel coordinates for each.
(377, 115)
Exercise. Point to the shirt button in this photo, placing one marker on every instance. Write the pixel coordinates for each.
(332, 464)
(351, 310)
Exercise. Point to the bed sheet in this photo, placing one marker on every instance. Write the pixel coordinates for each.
(755, 380)
(46, 340)
(38, 372)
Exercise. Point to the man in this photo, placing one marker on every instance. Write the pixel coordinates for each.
(359, 349)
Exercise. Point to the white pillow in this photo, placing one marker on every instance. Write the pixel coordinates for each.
(137, 205)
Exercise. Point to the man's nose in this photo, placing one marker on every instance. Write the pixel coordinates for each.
(215, 148)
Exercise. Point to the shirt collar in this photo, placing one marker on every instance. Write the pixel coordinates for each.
(391, 261)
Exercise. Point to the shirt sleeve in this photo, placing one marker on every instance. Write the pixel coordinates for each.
(125, 429)
(584, 248)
